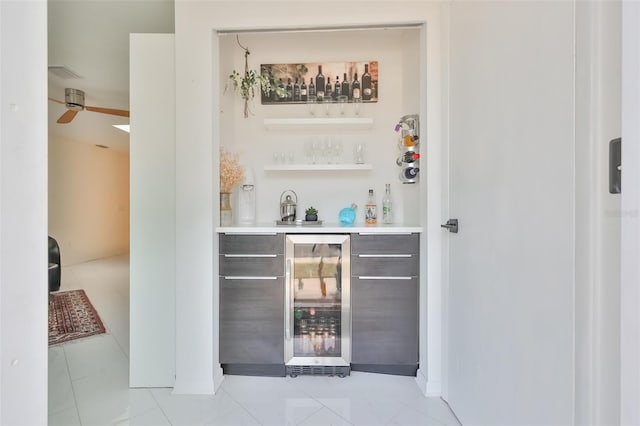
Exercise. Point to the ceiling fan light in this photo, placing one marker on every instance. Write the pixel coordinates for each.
(74, 99)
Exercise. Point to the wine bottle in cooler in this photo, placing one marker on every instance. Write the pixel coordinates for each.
(337, 89)
(296, 91)
(320, 84)
(312, 88)
(366, 84)
(303, 91)
(355, 87)
(346, 90)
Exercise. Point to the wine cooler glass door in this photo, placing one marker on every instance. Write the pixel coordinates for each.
(318, 327)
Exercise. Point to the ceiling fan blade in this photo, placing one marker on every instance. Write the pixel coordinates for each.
(111, 111)
(67, 117)
(55, 100)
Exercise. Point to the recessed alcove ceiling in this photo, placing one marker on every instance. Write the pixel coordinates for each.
(92, 39)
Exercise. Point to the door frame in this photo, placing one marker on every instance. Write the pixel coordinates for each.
(630, 208)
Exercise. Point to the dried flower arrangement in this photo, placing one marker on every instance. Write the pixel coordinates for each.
(231, 172)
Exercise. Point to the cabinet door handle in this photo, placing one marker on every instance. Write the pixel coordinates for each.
(377, 233)
(385, 278)
(287, 302)
(377, 256)
(249, 255)
(251, 234)
(250, 278)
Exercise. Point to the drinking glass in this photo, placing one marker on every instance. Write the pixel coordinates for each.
(342, 104)
(358, 153)
(357, 106)
(312, 104)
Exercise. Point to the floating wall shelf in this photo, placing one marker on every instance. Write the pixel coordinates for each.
(317, 167)
(342, 122)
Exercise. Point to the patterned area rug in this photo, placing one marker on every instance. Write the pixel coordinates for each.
(71, 317)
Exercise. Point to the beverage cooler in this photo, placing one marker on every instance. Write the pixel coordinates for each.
(317, 305)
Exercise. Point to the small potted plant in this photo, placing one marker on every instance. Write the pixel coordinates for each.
(311, 215)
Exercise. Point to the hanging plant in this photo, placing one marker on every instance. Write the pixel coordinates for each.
(250, 82)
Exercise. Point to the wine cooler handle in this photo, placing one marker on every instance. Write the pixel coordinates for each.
(287, 302)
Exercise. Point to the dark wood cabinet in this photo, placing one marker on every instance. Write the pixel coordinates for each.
(384, 301)
(252, 304)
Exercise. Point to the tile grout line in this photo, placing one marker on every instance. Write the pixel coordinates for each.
(221, 389)
(73, 390)
(160, 406)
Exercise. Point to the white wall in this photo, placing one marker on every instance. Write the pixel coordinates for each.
(598, 102)
(152, 258)
(398, 55)
(23, 213)
(630, 279)
(198, 139)
(88, 200)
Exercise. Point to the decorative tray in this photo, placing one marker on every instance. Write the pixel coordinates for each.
(299, 222)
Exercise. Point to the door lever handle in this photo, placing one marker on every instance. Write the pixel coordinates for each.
(451, 225)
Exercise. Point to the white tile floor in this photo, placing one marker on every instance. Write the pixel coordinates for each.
(88, 381)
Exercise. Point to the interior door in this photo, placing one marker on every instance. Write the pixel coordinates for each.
(511, 287)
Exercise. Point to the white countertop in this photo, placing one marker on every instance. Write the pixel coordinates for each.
(325, 228)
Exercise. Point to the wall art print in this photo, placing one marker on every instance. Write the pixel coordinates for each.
(328, 82)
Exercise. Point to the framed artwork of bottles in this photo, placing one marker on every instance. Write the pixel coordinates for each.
(321, 82)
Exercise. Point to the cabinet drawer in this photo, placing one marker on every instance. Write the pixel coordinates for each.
(251, 244)
(252, 321)
(406, 265)
(252, 266)
(385, 243)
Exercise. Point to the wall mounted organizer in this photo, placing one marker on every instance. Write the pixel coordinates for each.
(408, 160)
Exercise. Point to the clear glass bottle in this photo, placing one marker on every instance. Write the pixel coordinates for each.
(387, 212)
(371, 210)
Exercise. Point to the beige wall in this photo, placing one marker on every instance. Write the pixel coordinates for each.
(88, 200)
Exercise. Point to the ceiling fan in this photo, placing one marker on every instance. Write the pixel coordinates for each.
(74, 101)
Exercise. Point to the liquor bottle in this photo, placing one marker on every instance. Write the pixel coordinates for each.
(387, 215)
(337, 89)
(328, 90)
(312, 88)
(370, 210)
(409, 173)
(320, 84)
(345, 86)
(303, 91)
(282, 92)
(366, 84)
(296, 90)
(407, 157)
(355, 87)
(289, 89)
